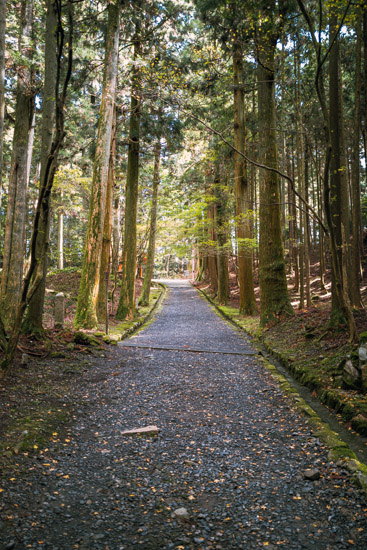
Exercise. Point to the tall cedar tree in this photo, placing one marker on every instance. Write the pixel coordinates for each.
(126, 306)
(274, 299)
(13, 255)
(86, 312)
(34, 273)
(33, 321)
(243, 222)
(148, 275)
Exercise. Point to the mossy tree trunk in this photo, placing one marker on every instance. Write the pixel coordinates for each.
(107, 231)
(274, 300)
(33, 320)
(126, 306)
(12, 273)
(243, 223)
(86, 312)
(34, 273)
(148, 275)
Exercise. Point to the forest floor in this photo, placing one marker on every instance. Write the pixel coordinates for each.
(232, 464)
(34, 397)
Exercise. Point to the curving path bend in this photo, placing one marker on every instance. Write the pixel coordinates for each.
(231, 450)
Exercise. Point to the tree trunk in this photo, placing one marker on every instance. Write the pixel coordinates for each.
(243, 223)
(35, 272)
(341, 310)
(60, 239)
(148, 275)
(116, 234)
(2, 90)
(12, 274)
(33, 320)
(212, 247)
(339, 200)
(306, 225)
(220, 202)
(86, 312)
(274, 298)
(126, 307)
(107, 231)
(356, 217)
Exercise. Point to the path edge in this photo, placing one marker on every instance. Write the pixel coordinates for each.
(149, 316)
(339, 451)
(143, 322)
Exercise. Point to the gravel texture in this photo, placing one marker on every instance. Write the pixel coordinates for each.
(227, 470)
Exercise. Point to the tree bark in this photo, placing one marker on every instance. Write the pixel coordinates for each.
(339, 199)
(274, 298)
(60, 239)
(341, 310)
(107, 231)
(33, 320)
(148, 275)
(35, 272)
(220, 202)
(12, 274)
(116, 234)
(2, 89)
(212, 248)
(86, 312)
(243, 223)
(356, 217)
(126, 306)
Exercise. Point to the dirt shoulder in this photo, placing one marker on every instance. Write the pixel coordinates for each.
(39, 398)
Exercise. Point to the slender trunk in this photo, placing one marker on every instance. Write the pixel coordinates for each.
(294, 230)
(126, 306)
(274, 298)
(86, 312)
(339, 199)
(356, 217)
(220, 202)
(212, 258)
(116, 235)
(2, 91)
(60, 240)
(243, 223)
(300, 182)
(107, 231)
(306, 229)
(30, 146)
(148, 275)
(33, 321)
(12, 274)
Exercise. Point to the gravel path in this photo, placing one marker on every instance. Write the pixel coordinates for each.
(231, 451)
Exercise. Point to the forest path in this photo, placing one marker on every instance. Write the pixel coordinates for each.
(231, 451)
